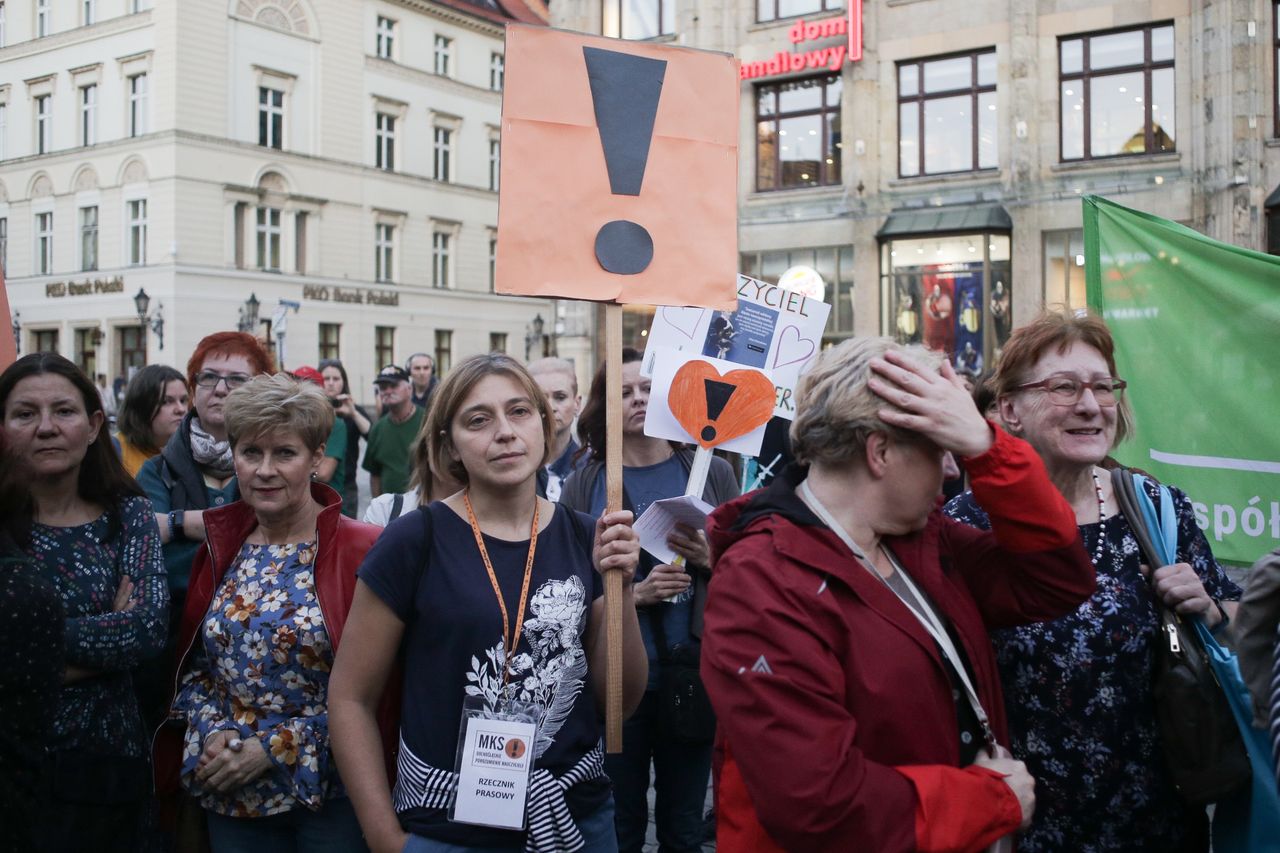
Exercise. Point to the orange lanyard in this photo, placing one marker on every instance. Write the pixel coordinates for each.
(510, 632)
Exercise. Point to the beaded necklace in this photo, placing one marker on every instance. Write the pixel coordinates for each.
(1102, 519)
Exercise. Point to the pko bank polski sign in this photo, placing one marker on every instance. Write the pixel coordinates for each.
(825, 58)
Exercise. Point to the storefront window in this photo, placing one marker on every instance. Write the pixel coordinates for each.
(833, 263)
(1064, 268)
(947, 115)
(951, 294)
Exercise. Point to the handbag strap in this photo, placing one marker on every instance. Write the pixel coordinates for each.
(1125, 485)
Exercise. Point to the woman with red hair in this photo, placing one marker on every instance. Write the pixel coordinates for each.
(195, 472)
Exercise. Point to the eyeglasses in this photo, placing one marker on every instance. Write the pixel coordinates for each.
(1065, 390)
(209, 379)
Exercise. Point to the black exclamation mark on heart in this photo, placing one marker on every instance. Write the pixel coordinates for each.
(718, 394)
(625, 91)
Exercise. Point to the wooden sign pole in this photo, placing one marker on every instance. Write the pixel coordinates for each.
(613, 503)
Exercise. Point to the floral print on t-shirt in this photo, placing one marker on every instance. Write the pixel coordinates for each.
(264, 673)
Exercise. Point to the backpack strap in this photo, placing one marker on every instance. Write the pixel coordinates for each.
(397, 507)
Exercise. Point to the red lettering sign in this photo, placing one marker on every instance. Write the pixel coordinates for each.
(818, 59)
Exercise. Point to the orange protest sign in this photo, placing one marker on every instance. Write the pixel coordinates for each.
(619, 171)
(715, 408)
(8, 346)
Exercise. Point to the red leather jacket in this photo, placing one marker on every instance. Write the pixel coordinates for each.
(343, 543)
(837, 725)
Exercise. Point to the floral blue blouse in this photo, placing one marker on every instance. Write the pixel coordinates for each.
(1078, 695)
(264, 673)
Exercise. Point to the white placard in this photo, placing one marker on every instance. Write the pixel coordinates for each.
(493, 773)
(776, 330)
(656, 523)
(660, 423)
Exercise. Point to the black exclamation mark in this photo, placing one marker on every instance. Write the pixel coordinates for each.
(625, 91)
(718, 394)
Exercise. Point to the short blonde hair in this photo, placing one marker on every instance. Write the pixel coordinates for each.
(835, 410)
(276, 405)
(551, 364)
(452, 393)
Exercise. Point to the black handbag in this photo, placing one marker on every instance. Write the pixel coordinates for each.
(1199, 737)
(684, 709)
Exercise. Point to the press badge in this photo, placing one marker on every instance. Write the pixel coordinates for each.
(495, 762)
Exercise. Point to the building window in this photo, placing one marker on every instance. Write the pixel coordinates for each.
(238, 214)
(269, 239)
(1273, 233)
(444, 53)
(1275, 56)
(497, 71)
(131, 343)
(493, 264)
(89, 114)
(137, 104)
(639, 19)
(270, 117)
(384, 252)
(1117, 93)
(4, 118)
(442, 148)
(947, 115)
(137, 224)
(42, 18)
(386, 37)
(329, 336)
(444, 351)
(495, 163)
(44, 123)
(440, 259)
(384, 131)
(950, 293)
(771, 10)
(87, 349)
(1064, 268)
(136, 6)
(798, 133)
(4, 244)
(384, 347)
(498, 342)
(300, 243)
(3, 33)
(89, 9)
(89, 238)
(45, 340)
(44, 243)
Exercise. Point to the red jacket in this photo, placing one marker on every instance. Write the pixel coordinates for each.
(837, 726)
(342, 546)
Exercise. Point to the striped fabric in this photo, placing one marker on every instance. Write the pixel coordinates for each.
(1275, 706)
(551, 826)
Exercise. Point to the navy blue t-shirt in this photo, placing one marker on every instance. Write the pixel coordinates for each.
(453, 647)
(644, 485)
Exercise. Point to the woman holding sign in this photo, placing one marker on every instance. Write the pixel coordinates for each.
(846, 649)
(494, 597)
(671, 599)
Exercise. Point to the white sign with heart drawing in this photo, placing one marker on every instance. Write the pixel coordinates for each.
(774, 329)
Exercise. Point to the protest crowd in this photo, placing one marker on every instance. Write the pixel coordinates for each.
(213, 643)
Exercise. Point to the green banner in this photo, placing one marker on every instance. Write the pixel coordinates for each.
(1197, 330)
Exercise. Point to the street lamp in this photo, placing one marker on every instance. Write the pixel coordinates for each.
(533, 338)
(249, 314)
(141, 302)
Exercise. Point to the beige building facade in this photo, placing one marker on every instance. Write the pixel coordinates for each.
(333, 162)
(934, 181)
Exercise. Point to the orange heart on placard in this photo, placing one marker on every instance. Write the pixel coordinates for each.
(715, 408)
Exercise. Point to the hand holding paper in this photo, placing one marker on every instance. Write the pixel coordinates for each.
(657, 524)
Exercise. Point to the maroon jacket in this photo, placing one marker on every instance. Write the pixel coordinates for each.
(838, 728)
(343, 542)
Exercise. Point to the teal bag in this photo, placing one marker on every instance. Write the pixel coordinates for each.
(1249, 820)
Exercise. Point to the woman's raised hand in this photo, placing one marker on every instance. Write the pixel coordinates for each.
(937, 406)
(617, 547)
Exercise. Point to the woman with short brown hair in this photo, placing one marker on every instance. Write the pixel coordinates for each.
(1078, 688)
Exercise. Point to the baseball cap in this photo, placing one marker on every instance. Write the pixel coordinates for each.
(391, 374)
(307, 373)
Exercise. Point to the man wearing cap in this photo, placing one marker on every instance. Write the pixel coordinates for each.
(332, 470)
(387, 456)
